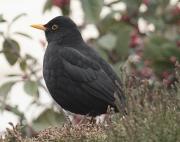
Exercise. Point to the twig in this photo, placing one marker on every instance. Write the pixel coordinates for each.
(111, 3)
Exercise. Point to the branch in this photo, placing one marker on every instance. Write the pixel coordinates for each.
(111, 3)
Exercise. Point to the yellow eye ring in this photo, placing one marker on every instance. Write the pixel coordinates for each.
(54, 27)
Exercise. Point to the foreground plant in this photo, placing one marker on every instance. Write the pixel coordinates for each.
(152, 116)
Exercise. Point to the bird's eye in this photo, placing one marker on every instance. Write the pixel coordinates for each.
(54, 27)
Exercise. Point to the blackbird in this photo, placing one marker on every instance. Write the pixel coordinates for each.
(78, 79)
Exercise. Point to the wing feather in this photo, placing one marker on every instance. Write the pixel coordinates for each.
(89, 75)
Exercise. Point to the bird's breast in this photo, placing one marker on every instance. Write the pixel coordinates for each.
(52, 68)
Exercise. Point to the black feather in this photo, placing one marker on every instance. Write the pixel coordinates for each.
(77, 77)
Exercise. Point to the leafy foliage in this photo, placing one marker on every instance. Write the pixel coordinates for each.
(92, 9)
(2, 19)
(11, 50)
(47, 6)
(31, 87)
(29, 75)
(48, 118)
(148, 51)
(161, 50)
(6, 88)
(107, 41)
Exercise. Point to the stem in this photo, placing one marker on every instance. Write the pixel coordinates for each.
(111, 3)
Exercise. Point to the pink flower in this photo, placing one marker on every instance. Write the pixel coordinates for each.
(61, 3)
(173, 59)
(135, 40)
(146, 2)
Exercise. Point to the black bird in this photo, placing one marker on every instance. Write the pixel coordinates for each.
(78, 79)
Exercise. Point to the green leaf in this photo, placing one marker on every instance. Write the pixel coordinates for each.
(23, 65)
(31, 87)
(6, 88)
(107, 41)
(48, 118)
(106, 23)
(11, 50)
(13, 75)
(132, 6)
(132, 2)
(92, 9)
(102, 52)
(1, 33)
(65, 10)
(159, 50)
(123, 37)
(47, 6)
(16, 111)
(2, 19)
(120, 30)
(29, 57)
(23, 34)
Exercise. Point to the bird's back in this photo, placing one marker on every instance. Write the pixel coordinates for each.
(93, 55)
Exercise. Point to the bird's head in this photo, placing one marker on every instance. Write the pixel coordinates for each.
(59, 28)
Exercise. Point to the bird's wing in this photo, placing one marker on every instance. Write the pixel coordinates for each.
(89, 74)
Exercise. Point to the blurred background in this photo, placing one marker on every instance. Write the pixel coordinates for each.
(140, 36)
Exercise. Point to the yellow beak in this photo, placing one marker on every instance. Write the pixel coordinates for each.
(39, 26)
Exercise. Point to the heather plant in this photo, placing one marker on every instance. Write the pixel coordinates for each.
(152, 116)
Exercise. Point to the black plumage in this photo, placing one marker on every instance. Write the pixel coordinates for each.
(78, 79)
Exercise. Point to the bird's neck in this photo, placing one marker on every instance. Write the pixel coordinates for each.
(72, 38)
